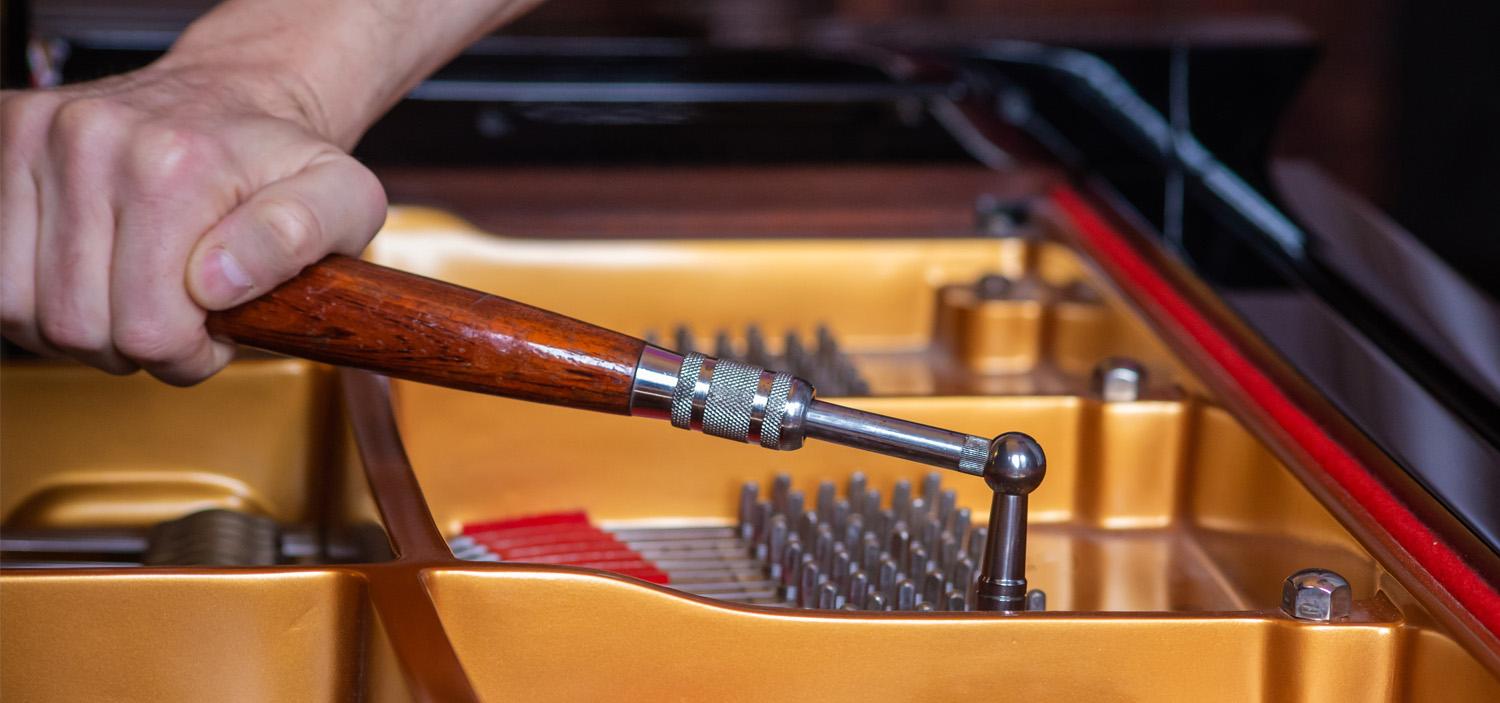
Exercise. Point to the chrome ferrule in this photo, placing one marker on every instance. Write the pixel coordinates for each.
(655, 379)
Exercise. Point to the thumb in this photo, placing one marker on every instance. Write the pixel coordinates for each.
(333, 205)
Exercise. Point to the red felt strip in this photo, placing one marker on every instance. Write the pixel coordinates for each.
(1436, 556)
(545, 519)
(507, 540)
(566, 538)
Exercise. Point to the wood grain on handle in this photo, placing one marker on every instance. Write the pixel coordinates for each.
(353, 313)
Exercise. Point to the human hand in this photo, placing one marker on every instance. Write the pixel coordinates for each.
(131, 207)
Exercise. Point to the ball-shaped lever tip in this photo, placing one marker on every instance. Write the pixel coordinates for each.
(1016, 464)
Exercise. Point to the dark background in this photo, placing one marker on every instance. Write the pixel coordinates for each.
(1402, 106)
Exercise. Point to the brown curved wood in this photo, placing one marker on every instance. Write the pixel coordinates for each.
(352, 313)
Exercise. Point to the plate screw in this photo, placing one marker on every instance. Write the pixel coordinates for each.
(1119, 380)
(1316, 594)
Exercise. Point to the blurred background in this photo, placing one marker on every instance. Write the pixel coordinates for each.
(1401, 105)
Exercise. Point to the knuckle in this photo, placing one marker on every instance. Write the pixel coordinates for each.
(147, 341)
(293, 229)
(71, 331)
(23, 122)
(86, 121)
(164, 155)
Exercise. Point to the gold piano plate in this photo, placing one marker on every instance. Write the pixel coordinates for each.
(1161, 535)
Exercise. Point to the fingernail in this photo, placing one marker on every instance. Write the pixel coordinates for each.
(226, 280)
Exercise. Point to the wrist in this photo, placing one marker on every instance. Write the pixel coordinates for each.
(249, 86)
(286, 64)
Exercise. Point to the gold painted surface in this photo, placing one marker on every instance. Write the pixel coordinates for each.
(881, 296)
(81, 448)
(1161, 533)
(161, 636)
(630, 642)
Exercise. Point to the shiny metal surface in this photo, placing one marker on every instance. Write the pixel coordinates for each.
(745, 403)
(1118, 379)
(655, 380)
(897, 438)
(1017, 470)
(1318, 595)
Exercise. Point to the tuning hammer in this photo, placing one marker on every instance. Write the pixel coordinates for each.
(779, 411)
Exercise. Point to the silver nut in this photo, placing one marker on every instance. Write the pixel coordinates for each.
(1316, 594)
(1119, 380)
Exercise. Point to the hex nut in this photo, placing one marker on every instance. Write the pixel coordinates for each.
(1119, 380)
(1317, 595)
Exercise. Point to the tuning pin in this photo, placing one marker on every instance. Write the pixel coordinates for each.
(808, 589)
(931, 484)
(760, 524)
(947, 552)
(828, 597)
(855, 491)
(960, 523)
(906, 595)
(793, 352)
(723, 347)
(962, 575)
(916, 563)
(776, 545)
(828, 347)
(791, 571)
(870, 505)
(796, 506)
(900, 543)
(826, 492)
(933, 589)
(755, 347)
(807, 527)
(886, 579)
(823, 546)
(749, 493)
(684, 339)
(870, 551)
(901, 495)
(977, 538)
(947, 501)
(854, 529)
(780, 486)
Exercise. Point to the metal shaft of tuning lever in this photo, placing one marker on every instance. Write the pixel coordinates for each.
(779, 411)
(1018, 470)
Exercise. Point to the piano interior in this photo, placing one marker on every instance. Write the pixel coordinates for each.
(392, 519)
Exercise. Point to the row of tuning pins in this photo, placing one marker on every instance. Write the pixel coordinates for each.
(823, 364)
(918, 552)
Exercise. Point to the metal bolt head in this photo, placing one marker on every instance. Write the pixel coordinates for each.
(1119, 380)
(1016, 464)
(993, 286)
(1316, 594)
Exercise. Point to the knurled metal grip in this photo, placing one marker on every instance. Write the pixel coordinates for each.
(729, 399)
(976, 453)
(721, 397)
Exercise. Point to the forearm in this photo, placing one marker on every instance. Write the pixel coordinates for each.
(342, 63)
